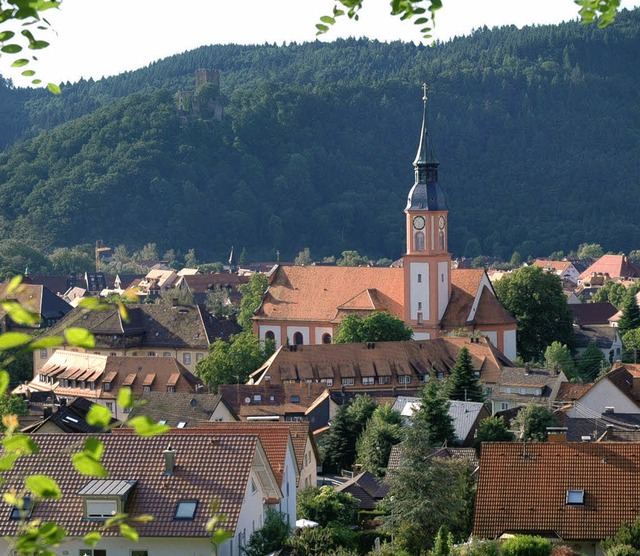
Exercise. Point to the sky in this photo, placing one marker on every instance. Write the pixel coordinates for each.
(99, 39)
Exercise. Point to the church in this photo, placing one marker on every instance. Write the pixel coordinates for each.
(304, 305)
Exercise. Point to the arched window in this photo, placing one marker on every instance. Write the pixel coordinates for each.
(326, 338)
(441, 240)
(269, 335)
(298, 339)
(419, 241)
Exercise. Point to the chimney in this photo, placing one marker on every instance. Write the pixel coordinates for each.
(557, 434)
(169, 460)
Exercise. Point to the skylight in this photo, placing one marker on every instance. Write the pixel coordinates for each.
(24, 512)
(186, 510)
(575, 497)
(182, 424)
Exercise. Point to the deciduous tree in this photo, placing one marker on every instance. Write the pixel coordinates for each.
(558, 356)
(493, 429)
(379, 326)
(252, 293)
(383, 430)
(532, 421)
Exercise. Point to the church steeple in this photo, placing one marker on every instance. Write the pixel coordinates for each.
(426, 193)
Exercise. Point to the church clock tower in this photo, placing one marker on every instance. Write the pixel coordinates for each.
(427, 261)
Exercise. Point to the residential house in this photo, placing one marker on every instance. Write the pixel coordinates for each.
(365, 487)
(379, 368)
(586, 314)
(180, 331)
(304, 305)
(442, 452)
(612, 267)
(36, 299)
(606, 338)
(63, 417)
(99, 378)
(518, 387)
(564, 269)
(174, 477)
(278, 446)
(465, 416)
(183, 409)
(199, 284)
(575, 494)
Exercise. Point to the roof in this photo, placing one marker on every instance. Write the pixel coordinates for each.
(443, 452)
(558, 267)
(516, 378)
(162, 325)
(69, 418)
(327, 293)
(366, 487)
(522, 488)
(592, 313)
(571, 391)
(602, 335)
(616, 266)
(176, 407)
(64, 368)
(38, 299)
(317, 363)
(204, 471)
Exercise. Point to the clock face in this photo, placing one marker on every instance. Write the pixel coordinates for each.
(441, 222)
(418, 222)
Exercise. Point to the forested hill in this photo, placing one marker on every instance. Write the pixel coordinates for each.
(537, 132)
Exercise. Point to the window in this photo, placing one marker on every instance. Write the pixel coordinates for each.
(109, 406)
(419, 278)
(269, 335)
(326, 338)
(113, 354)
(257, 397)
(419, 305)
(368, 380)
(404, 379)
(329, 382)
(93, 552)
(199, 357)
(298, 339)
(24, 512)
(166, 354)
(101, 509)
(575, 497)
(420, 321)
(181, 425)
(171, 389)
(186, 510)
(504, 405)
(348, 381)
(83, 384)
(106, 386)
(384, 380)
(146, 389)
(295, 399)
(186, 358)
(523, 391)
(254, 488)
(139, 553)
(43, 354)
(151, 353)
(419, 241)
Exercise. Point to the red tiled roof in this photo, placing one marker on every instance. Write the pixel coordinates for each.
(616, 266)
(522, 487)
(561, 266)
(204, 471)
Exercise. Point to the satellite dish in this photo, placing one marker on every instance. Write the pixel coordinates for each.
(247, 400)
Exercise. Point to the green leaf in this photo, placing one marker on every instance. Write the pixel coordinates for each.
(19, 444)
(92, 303)
(91, 539)
(38, 45)
(93, 448)
(125, 398)
(4, 382)
(15, 282)
(11, 49)
(143, 518)
(321, 28)
(6, 462)
(123, 311)
(80, 337)
(47, 342)
(13, 339)
(43, 486)
(28, 73)
(220, 535)
(99, 416)
(11, 498)
(6, 35)
(86, 465)
(128, 532)
(328, 19)
(36, 81)
(19, 314)
(146, 427)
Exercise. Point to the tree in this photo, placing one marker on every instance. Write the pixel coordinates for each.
(590, 251)
(232, 363)
(613, 292)
(18, 258)
(443, 543)
(190, 259)
(631, 342)
(353, 258)
(590, 363)
(463, 383)
(379, 326)
(630, 318)
(176, 295)
(432, 418)
(526, 544)
(383, 430)
(252, 293)
(324, 505)
(303, 258)
(66, 260)
(492, 429)
(270, 537)
(532, 421)
(535, 298)
(627, 535)
(10, 404)
(558, 356)
(148, 253)
(218, 303)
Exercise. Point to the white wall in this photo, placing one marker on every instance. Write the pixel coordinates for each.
(264, 328)
(304, 330)
(319, 332)
(509, 341)
(419, 290)
(601, 395)
(443, 287)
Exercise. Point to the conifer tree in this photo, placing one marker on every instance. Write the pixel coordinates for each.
(463, 384)
(630, 318)
(432, 420)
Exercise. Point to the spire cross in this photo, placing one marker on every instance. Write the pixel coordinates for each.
(424, 92)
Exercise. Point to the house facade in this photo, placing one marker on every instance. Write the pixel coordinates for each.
(305, 305)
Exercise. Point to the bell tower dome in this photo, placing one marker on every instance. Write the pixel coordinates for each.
(427, 261)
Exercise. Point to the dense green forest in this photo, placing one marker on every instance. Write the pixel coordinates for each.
(537, 132)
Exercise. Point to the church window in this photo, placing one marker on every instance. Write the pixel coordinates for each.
(419, 241)
(326, 338)
(419, 278)
(269, 335)
(298, 339)
(419, 305)
(441, 240)
(420, 321)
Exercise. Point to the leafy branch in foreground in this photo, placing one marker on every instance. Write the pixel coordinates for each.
(424, 11)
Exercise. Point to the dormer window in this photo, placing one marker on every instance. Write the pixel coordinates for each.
(104, 498)
(23, 511)
(575, 497)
